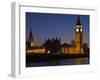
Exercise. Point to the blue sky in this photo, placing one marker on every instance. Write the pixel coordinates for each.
(47, 25)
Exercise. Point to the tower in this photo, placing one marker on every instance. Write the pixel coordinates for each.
(30, 40)
(79, 36)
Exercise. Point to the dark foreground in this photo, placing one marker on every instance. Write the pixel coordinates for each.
(33, 60)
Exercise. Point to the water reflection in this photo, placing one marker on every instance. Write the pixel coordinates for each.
(60, 62)
(79, 61)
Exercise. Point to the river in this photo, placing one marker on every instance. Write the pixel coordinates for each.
(75, 61)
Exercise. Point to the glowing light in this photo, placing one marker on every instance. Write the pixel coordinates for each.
(48, 51)
(81, 30)
(77, 30)
(32, 44)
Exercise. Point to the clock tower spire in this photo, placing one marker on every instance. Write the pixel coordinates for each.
(78, 21)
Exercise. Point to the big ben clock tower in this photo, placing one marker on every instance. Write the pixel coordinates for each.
(79, 36)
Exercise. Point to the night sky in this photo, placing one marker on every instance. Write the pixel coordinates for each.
(48, 25)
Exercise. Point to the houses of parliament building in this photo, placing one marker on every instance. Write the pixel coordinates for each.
(76, 47)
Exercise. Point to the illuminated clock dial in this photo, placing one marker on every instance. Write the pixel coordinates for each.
(77, 30)
(81, 30)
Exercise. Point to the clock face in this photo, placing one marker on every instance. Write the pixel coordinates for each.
(77, 30)
(81, 30)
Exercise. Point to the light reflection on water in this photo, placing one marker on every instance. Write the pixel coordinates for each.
(60, 62)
